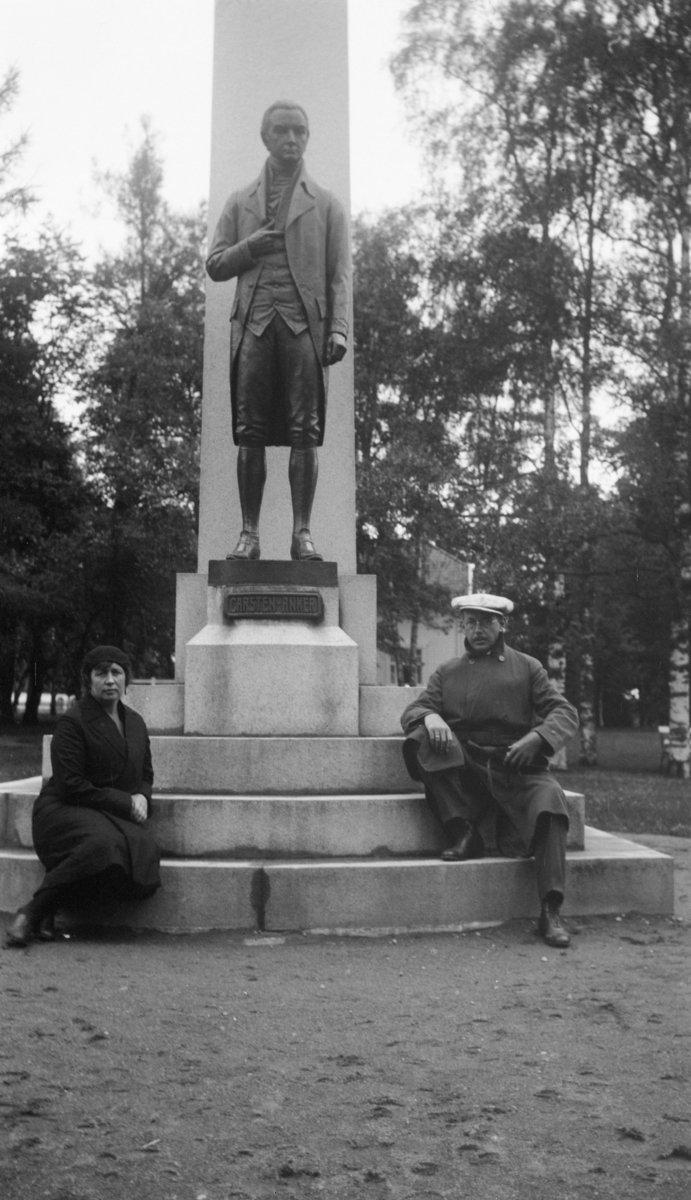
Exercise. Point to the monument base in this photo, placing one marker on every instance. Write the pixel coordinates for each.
(356, 606)
(397, 825)
(295, 874)
(271, 679)
(272, 659)
(161, 702)
(280, 830)
(611, 875)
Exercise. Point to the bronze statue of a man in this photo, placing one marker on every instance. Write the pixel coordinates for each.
(285, 239)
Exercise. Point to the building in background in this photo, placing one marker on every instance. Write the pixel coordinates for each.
(435, 645)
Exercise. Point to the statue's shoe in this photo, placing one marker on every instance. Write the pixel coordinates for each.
(302, 547)
(247, 547)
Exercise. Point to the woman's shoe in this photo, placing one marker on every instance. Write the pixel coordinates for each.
(20, 930)
(46, 928)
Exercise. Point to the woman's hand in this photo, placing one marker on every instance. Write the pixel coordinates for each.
(140, 808)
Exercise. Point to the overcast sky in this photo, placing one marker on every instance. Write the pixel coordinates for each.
(89, 70)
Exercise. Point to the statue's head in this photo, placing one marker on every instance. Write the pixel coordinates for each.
(285, 132)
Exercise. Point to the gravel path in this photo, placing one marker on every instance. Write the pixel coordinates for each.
(479, 1065)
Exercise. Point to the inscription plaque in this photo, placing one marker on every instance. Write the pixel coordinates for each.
(273, 604)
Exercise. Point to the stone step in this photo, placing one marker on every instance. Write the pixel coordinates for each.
(161, 703)
(280, 765)
(279, 826)
(611, 875)
(261, 766)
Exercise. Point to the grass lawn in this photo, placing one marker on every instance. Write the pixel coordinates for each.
(616, 801)
(21, 751)
(633, 801)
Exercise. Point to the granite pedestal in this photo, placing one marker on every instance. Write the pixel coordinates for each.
(276, 675)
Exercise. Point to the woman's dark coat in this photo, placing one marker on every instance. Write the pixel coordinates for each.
(82, 820)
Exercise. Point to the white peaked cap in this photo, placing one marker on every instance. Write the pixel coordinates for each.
(484, 602)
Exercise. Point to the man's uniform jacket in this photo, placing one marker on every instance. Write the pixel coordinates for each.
(82, 820)
(316, 242)
(491, 700)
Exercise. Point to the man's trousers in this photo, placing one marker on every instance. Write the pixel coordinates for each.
(531, 816)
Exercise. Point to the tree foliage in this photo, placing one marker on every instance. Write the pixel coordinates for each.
(42, 494)
(14, 197)
(551, 282)
(405, 454)
(100, 398)
(141, 390)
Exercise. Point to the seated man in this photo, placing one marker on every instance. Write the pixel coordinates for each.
(479, 738)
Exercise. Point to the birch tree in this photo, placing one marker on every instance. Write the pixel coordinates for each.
(518, 92)
(651, 86)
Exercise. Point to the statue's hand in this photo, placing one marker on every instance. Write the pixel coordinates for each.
(335, 349)
(264, 241)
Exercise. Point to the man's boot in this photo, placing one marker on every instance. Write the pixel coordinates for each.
(303, 470)
(466, 842)
(549, 924)
(251, 479)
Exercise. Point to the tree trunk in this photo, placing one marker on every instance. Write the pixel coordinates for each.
(412, 654)
(399, 667)
(679, 698)
(586, 704)
(679, 656)
(116, 601)
(34, 691)
(8, 662)
(556, 654)
(586, 665)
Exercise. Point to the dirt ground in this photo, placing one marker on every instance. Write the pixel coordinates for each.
(481, 1065)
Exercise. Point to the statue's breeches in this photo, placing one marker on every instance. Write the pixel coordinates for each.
(278, 389)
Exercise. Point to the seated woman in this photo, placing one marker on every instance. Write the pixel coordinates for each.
(89, 819)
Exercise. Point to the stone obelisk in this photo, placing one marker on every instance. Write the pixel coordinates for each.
(246, 677)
